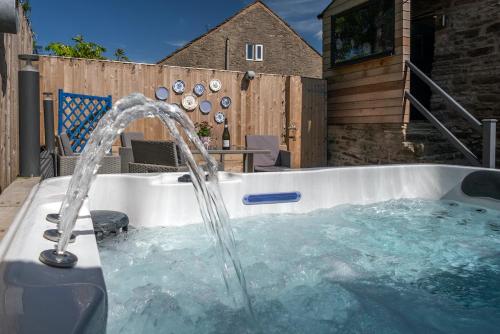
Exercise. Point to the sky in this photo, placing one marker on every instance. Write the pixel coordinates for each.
(149, 30)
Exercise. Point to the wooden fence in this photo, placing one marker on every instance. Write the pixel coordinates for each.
(264, 105)
(11, 46)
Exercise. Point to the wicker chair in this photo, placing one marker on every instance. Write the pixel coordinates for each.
(155, 157)
(126, 154)
(67, 159)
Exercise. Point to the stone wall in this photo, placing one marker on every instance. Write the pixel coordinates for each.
(467, 64)
(375, 144)
(284, 52)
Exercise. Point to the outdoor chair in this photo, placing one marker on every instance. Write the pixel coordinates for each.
(125, 151)
(278, 160)
(156, 157)
(67, 159)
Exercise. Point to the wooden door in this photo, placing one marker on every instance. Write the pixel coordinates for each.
(306, 119)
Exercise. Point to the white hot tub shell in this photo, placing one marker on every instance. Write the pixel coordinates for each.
(38, 298)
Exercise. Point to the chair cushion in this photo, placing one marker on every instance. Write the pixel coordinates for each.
(127, 137)
(264, 143)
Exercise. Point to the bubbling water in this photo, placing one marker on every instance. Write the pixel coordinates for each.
(212, 207)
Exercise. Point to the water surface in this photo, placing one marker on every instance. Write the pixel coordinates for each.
(403, 266)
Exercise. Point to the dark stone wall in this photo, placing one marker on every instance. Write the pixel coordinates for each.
(284, 52)
(467, 64)
(374, 144)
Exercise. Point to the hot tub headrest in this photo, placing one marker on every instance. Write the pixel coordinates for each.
(482, 184)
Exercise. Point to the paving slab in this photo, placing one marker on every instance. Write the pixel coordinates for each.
(12, 199)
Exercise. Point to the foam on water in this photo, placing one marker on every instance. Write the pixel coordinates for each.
(405, 266)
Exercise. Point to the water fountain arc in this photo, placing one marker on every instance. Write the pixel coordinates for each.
(212, 208)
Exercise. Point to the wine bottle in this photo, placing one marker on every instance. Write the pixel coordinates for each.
(226, 137)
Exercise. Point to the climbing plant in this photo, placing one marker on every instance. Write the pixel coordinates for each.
(120, 55)
(80, 49)
(83, 49)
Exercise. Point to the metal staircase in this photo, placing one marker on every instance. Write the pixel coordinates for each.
(487, 127)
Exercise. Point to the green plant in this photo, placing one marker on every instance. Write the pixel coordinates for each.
(120, 55)
(26, 6)
(203, 129)
(81, 49)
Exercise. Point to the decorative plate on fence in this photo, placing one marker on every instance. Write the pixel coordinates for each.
(205, 107)
(220, 117)
(179, 86)
(225, 102)
(161, 93)
(199, 89)
(215, 85)
(189, 102)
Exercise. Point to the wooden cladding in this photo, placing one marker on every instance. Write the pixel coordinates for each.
(370, 91)
(13, 45)
(258, 107)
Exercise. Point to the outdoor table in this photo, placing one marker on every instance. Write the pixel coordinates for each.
(247, 156)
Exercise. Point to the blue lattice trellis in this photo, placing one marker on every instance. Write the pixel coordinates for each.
(79, 115)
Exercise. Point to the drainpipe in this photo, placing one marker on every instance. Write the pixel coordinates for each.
(226, 63)
(9, 22)
(29, 118)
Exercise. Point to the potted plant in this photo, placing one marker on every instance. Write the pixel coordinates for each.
(204, 131)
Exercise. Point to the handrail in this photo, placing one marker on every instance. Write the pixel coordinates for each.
(487, 126)
(447, 133)
(454, 104)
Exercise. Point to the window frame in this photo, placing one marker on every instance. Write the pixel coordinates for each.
(382, 54)
(256, 47)
(252, 47)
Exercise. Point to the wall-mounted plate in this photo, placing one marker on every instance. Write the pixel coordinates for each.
(225, 102)
(179, 87)
(199, 89)
(189, 102)
(162, 93)
(220, 117)
(205, 107)
(215, 85)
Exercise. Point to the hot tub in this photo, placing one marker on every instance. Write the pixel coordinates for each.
(37, 298)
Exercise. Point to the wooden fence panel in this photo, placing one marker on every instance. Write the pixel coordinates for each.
(12, 46)
(256, 109)
(265, 105)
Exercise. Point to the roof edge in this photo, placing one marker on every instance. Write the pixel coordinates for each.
(257, 2)
(320, 15)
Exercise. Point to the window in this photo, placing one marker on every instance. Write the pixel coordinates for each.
(259, 52)
(250, 52)
(364, 31)
(255, 52)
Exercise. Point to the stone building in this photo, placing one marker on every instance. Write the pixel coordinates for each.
(255, 39)
(455, 42)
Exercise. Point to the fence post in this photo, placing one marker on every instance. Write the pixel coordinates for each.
(489, 142)
(48, 121)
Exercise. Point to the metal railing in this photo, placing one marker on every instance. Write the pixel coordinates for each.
(487, 126)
